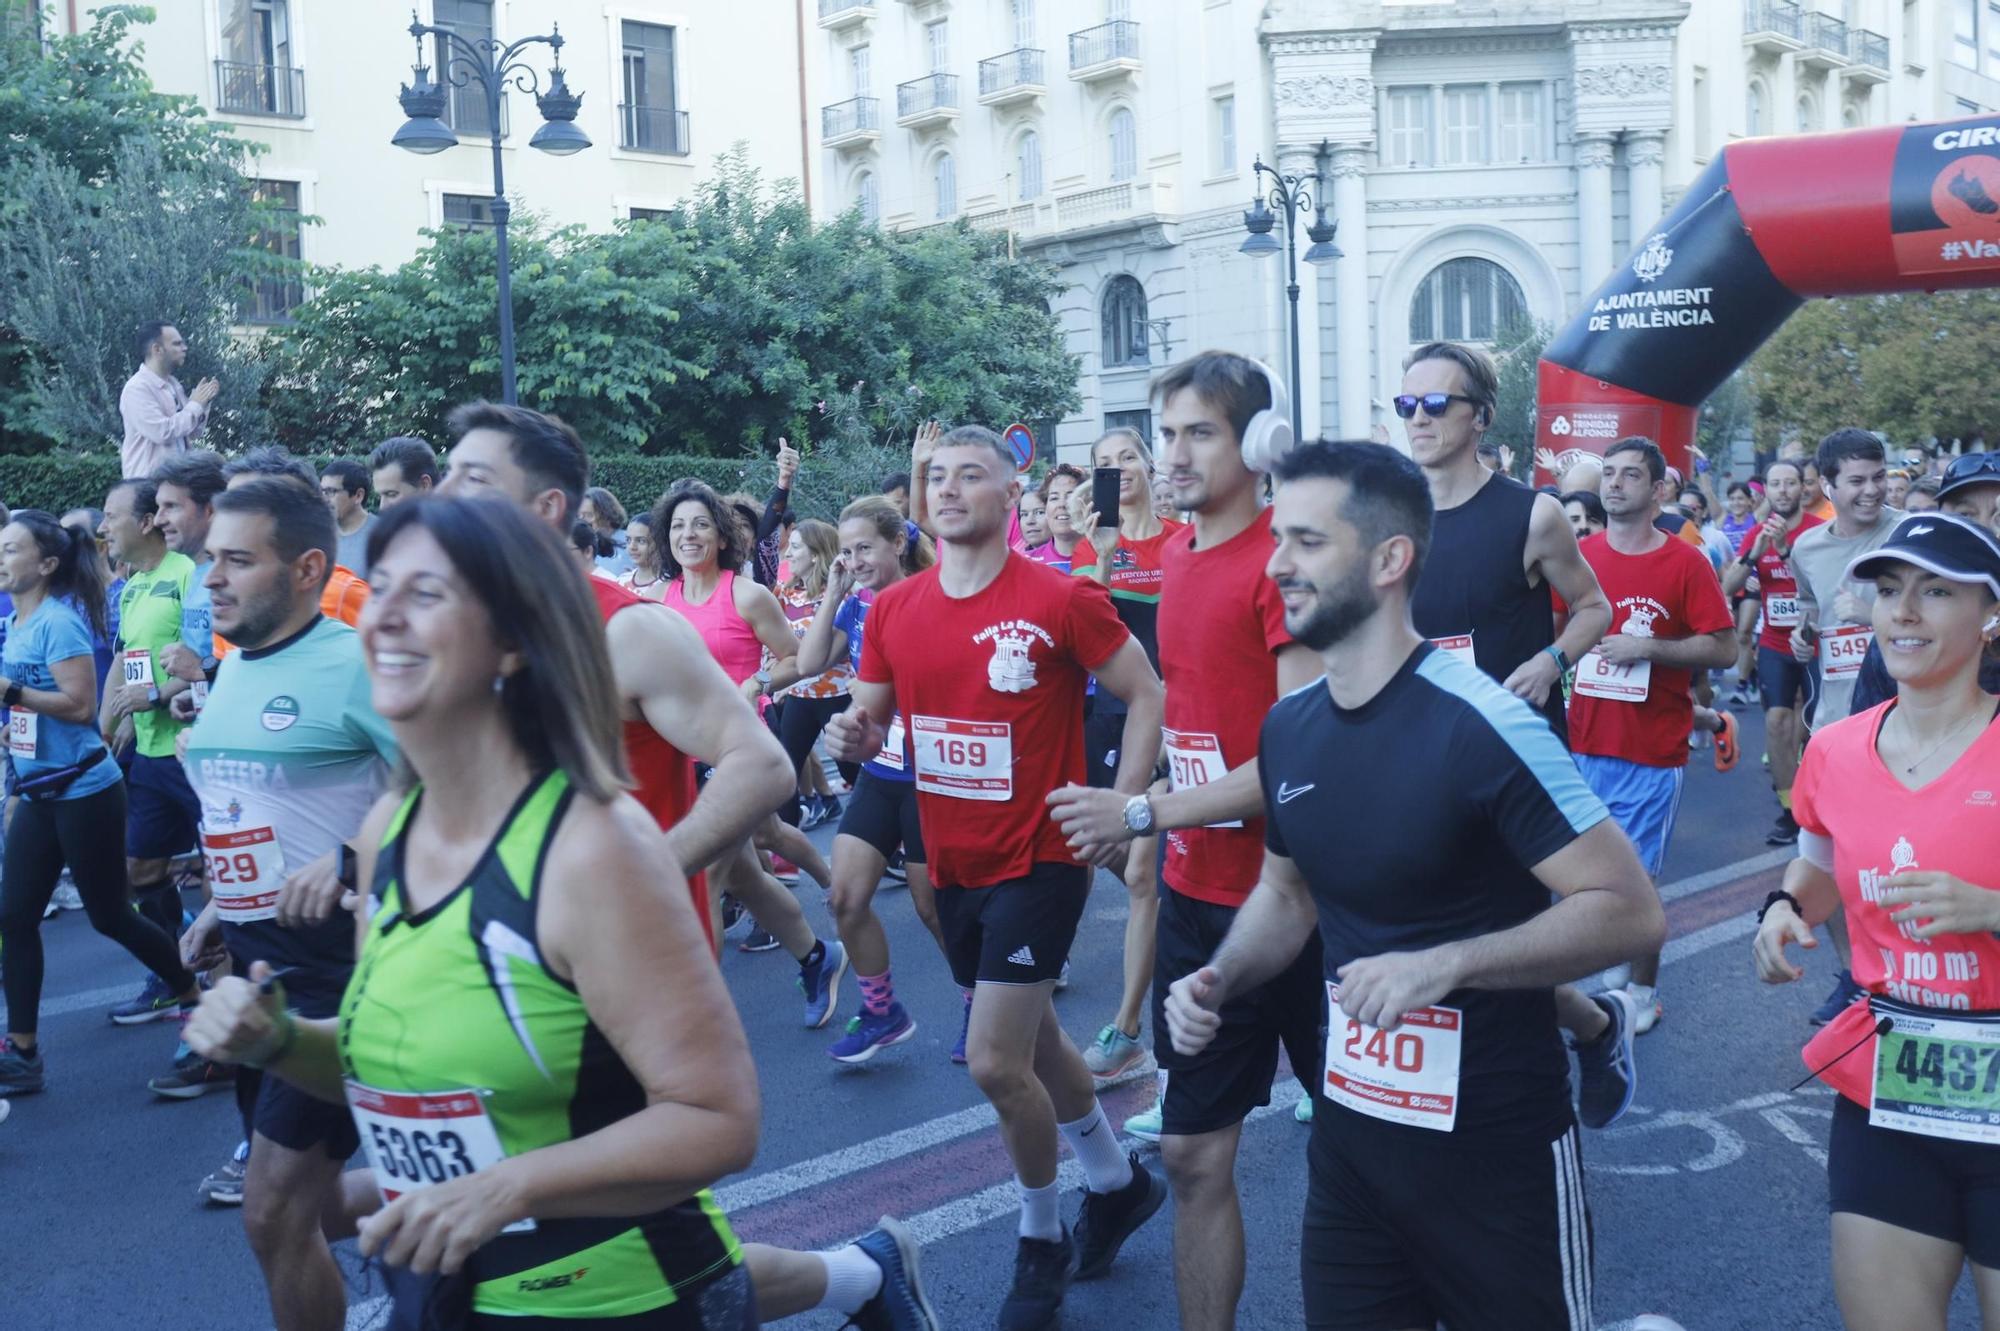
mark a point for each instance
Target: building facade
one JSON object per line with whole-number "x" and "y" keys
{"x": 1484, "y": 162}
{"x": 315, "y": 82}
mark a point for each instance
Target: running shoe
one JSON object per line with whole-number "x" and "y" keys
{"x": 758, "y": 940}
{"x": 1146, "y": 1125}
{"x": 6, "y": 1108}
{"x": 900, "y": 1304}
{"x": 964, "y": 1027}
{"x": 1845, "y": 991}
{"x": 153, "y": 1003}
{"x": 1726, "y": 749}
{"x": 225, "y": 1186}
{"x": 1741, "y": 698}
{"x": 1062, "y": 977}
{"x": 1646, "y": 1010}
{"x": 1784, "y": 832}
{"x": 1302, "y": 1112}
{"x": 872, "y": 1032}
{"x": 67, "y": 897}
{"x": 1042, "y": 1272}
{"x": 1113, "y": 1053}
{"x": 21, "y": 1072}
{"x": 192, "y": 1077}
{"x": 732, "y": 913}
{"x": 1107, "y": 1219}
{"x": 896, "y": 870}
{"x": 820, "y": 980}
{"x": 784, "y": 871}
{"x": 1607, "y": 1074}
{"x": 49, "y": 911}
{"x": 830, "y": 808}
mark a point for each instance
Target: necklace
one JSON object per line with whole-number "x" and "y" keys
{"x": 1950, "y": 735}
{"x": 639, "y": 586}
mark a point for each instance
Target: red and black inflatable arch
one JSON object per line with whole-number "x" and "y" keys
{"x": 1770, "y": 224}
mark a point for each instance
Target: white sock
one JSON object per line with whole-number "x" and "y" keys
{"x": 852, "y": 1278}
{"x": 1039, "y": 1219}
{"x": 1105, "y": 1166}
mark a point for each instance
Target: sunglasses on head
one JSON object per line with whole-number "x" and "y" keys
{"x": 1972, "y": 464}
{"x": 1434, "y": 404}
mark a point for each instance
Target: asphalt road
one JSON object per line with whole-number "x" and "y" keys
{"x": 1708, "y": 1199}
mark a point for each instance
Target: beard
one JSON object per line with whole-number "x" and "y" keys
{"x": 258, "y": 618}
{"x": 1337, "y": 612}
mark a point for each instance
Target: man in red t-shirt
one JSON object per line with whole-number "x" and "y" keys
{"x": 1632, "y": 705}
{"x": 1225, "y": 658}
{"x": 1780, "y": 677}
{"x": 985, "y": 656}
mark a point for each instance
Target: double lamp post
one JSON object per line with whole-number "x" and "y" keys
{"x": 1292, "y": 195}
{"x": 492, "y": 67}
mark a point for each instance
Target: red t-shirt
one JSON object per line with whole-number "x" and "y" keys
{"x": 1221, "y": 625}
{"x": 1879, "y": 828}
{"x": 664, "y": 775}
{"x": 991, "y": 690}
{"x": 1671, "y": 592}
{"x": 1776, "y": 583}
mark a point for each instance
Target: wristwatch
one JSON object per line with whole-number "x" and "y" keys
{"x": 12, "y": 696}
{"x": 1139, "y": 815}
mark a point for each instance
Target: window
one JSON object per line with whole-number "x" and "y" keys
{"x": 1123, "y": 314}
{"x": 1024, "y": 23}
{"x": 937, "y": 41}
{"x": 467, "y": 112}
{"x": 468, "y": 210}
{"x": 1464, "y": 126}
{"x": 1117, "y": 9}
{"x": 1704, "y": 127}
{"x": 944, "y": 183}
{"x": 1124, "y": 145}
{"x": 1990, "y": 62}
{"x": 654, "y": 214}
{"x": 868, "y": 197}
{"x": 1753, "y": 110}
{"x": 858, "y": 66}
{"x": 649, "y": 119}
{"x": 1851, "y": 116}
{"x": 1140, "y": 422}
{"x": 1465, "y": 300}
{"x": 256, "y": 72}
{"x": 1965, "y": 33}
{"x": 1410, "y": 126}
{"x": 1522, "y": 137}
{"x": 1225, "y": 133}
{"x": 273, "y": 299}
{"x": 1028, "y": 165}
{"x": 1808, "y": 113}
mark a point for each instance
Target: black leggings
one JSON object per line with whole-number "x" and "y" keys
{"x": 799, "y": 722}
{"x": 87, "y": 834}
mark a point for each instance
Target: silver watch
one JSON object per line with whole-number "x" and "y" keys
{"x": 1139, "y": 815}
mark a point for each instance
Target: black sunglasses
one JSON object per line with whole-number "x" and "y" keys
{"x": 1434, "y": 404}
{"x": 1972, "y": 464}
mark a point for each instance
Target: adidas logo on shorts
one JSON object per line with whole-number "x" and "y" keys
{"x": 1021, "y": 957}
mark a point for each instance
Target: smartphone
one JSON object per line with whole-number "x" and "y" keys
{"x": 1104, "y": 494}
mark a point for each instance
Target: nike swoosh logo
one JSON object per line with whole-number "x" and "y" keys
{"x": 1286, "y": 794}
{"x": 1092, "y": 1128}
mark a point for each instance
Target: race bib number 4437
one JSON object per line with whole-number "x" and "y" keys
{"x": 1408, "y": 1075}
{"x": 1938, "y": 1076}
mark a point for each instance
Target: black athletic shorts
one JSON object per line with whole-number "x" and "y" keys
{"x": 883, "y": 813}
{"x": 1103, "y": 733}
{"x": 1016, "y": 932}
{"x": 423, "y": 1303}
{"x": 1221, "y": 1085}
{"x": 1781, "y": 679}
{"x": 1949, "y": 1190}
{"x": 1407, "y": 1227}
{"x": 162, "y": 813}
{"x": 274, "y": 1108}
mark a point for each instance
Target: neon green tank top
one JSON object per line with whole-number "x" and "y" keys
{"x": 457, "y": 999}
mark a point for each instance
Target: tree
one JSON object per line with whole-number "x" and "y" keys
{"x": 1517, "y": 352}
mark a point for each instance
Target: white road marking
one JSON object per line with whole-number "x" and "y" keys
{"x": 90, "y": 998}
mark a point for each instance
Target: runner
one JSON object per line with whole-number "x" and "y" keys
{"x": 1737, "y": 523}
{"x": 403, "y": 467}
{"x": 1894, "y": 807}
{"x": 1585, "y": 512}
{"x": 1056, "y": 488}
{"x": 1226, "y": 659}
{"x": 1765, "y": 554}
{"x": 1125, "y": 559}
{"x": 986, "y": 657}
{"x": 607, "y": 520}
{"x": 187, "y": 486}
{"x": 644, "y": 579}
{"x": 1445, "y": 1181}
{"x": 1498, "y": 548}
{"x": 1632, "y": 704}
{"x": 70, "y": 810}
{"x": 1034, "y": 520}
{"x": 346, "y": 592}
{"x": 801, "y": 710}
{"x": 881, "y": 813}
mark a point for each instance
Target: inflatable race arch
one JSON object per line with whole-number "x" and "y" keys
{"x": 1770, "y": 224}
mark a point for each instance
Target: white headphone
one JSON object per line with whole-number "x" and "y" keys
{"x": 1269, "y": 436}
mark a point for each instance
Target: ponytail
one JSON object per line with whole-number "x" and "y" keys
{"x": 79, "y": 574}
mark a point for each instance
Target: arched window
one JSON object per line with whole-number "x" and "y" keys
{"x": 1123, "y": 315}
{"x": 1028, "y": 165}
{"x": 1852, "y": 117}
{"x": 868, "y": 197}
{"x": 1754, "y": 109}
{"x": 944, "y": 180}
{"x": 1124, "y": 145}
{"x": 1808, "y": 113}
{"x": 1465, "y": 300}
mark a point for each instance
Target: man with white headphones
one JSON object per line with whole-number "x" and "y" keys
{"x": 1225, "y": 659}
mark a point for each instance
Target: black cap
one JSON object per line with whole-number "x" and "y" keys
{"x": 1969, "y": 469}
{"x": 1940, "y": 543}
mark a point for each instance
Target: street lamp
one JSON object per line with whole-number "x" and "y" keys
{"x": 1291, "y": 195}
{"x": 464, "y": 61}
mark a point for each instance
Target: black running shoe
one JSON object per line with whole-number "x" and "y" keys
{"x": 21, "y": 1072}
{"x": 1042, "y": 1272}
{"x": 1784, "y": 832}
{"x": 1107, "y": 1219}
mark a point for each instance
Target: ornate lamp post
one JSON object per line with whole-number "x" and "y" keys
{"x": 1292, "y": 195}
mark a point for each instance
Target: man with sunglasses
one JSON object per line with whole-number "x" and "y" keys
{"x": 1498, "y": 547}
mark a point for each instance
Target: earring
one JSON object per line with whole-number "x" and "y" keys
{"x": 499, "y": 685}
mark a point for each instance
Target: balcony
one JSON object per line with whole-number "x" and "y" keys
{"x": 260, "y": 90}
{"x": 1107, "y": 51}
{"x": 653, "y": 129}
{"x": 1772, "y": 27}
{"x": 1825, "y": 42}
{"x": 930, "y": 100}
{"x": 840, "y": 15}
{"x": 1014, "y": 77}
{"x": 854, "y": 123}
{"x": 1092, "y": 207}
{"x": 1870, "y": 53}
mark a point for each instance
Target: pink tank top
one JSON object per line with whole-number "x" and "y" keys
{"x": 731, "y": 640}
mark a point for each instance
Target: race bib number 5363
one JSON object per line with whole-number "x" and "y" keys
{"x": 419, "y": 1140}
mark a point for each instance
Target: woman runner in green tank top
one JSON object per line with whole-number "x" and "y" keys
{"x": 544, "y": 1066}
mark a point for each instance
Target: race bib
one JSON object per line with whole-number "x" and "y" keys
{"x": 965, "y": 760}
{"x": 1842, "y": 650}
{"x": 138, "y": 665}
{"x": 1598, "y": 678}
{"x": 1458, "y": 647}
{"x": 22, "y": 726}
{"x": 1195, "y": 759}
{"x": 245, "y": 871}
{"x": 1408, "y": 1075}
{"x": 199, "y": 692}
{"x": 420, "y": 1140}
{"x": 894, "y": 755}
{"x": 1938, "y": 1076}
{"x": 1782, "y": 612}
